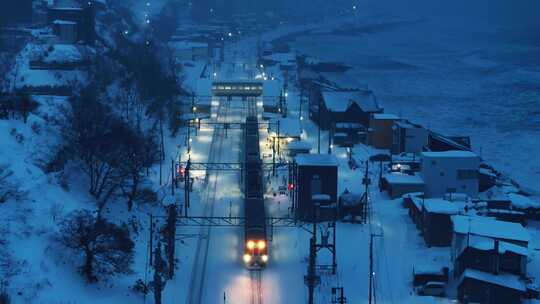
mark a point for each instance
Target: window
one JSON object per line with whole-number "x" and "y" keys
{"x": 433, "y": 162}
{"x": 467, "y": 174}
{"x": 450, "y": 190}
{"x": 316, "y": 185}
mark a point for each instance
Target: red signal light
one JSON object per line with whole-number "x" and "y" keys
{"x": 181, "y": 171}
{"x": 291, "y": 187}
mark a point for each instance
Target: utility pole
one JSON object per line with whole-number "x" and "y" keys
{"x": 371, "y": 271}
{"x": 319, "y": 127}
{"x": 173, "y": 179}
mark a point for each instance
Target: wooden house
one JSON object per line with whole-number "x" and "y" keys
{"x": 344, "y": 107}
{"x": 381, "y": 130}
{"x": 481, "y": 287}
{"x": 436, "y": 221}
{"x": 317, "y": 178}
{"x": 408, "y": 137}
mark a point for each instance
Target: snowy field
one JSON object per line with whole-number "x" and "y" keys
{"x": 474, "y": 75}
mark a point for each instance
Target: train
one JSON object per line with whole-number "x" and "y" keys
{"x": 255, "y": 245}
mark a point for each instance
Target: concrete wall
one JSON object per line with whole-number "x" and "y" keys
{"x": 442, "y": 174}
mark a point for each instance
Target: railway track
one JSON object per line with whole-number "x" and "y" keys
{"x": 256, "y": 286}
{"x": 198, "y": 274}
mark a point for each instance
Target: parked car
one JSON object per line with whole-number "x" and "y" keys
{"x": 436, "y": 289}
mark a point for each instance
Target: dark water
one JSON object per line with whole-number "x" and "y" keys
{"x": 480, "y": 79}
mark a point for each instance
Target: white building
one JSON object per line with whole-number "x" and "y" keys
{"x": 408, "y": 137}
{"x": 450, "y": 172}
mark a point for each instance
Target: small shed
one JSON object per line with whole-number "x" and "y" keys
{"x": 436, "y": 221}
{"x": 397, "y": 184}
{"x": 476, "y": 286}
{"x": 380, "y": 130}
{"x": 317, "y": 174}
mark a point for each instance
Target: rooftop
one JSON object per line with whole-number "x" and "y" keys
{"x": 450, "y": 154}
{"x": 484, "y": 226}
{"x": 339, "y": 101}
{"x": 485, "y": 243}
{"x": 440, "y": 206}
{"x": 505, "y": 280}
{"x": 326, "y": 160}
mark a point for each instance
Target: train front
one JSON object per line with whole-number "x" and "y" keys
{"x": 255, "y": 250}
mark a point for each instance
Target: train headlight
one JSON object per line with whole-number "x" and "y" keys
{"x": 250, "y": 245}
{"x": 264, "y": 258}
{"x": 261, "y": 244}
{"x": 247, "y": 258}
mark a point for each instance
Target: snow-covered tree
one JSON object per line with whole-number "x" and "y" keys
{"x": 106, "y": 248}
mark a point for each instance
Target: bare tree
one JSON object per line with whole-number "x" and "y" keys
{"x": 8, "y": 187}
{"x": 90, "y": 136}
{"x": 106, "y": 248}
{"x": 140, "y": 152}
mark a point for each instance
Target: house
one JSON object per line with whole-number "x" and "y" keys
{"x": 381, "y": 130}
{"x": 489, "y": 259}
{"x": 317, "y": 178}
{"x": 450, "y": 172}
{"x": 481, "y": 287}
{"x": 345, "y": 106}
{"x": 465, "y": 226}
{"x": 408, "y": 137}
{"x": 83, "y": 15}
{"x": 398, "y": 184}
{"x": 490, "y": 255}
{"x": 437, "y": 227}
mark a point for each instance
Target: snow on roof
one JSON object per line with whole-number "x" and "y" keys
{"x": 405, "y": 124}
{"x": 385, "y": 116}
{"x": 403, "y": 179}
{"x": 489, "y": 227}
{"x": 326, "y": 160}
{"x": 288, "y": 127}
{"x": 522, "y": 202}
{"x": 299, "y": 145}
{"x": 485, "y": 243}
{"x": 440, "y": 206}
{"x": 64, "y": 22}
{"x": 341, "y": 100}
{"x": 450, "y": 154}
{"x": 501, "y": 279}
